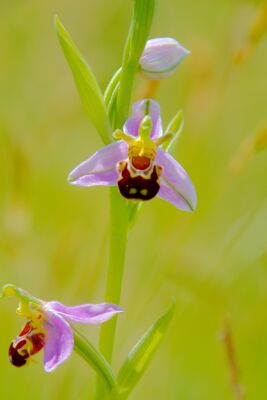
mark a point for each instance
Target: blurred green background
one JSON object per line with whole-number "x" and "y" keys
{"x": 53, "y": 236}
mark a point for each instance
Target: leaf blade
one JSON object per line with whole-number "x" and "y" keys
{"x": 86, "y": 83}
{"x": 141, "y": 354}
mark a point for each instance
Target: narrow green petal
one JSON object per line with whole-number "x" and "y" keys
{"x": 175, "y": 127}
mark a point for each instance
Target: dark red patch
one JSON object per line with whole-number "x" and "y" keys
{"x": 15, "y": 357}
{"x": 141, "y": 163}
{"x": 27, "y": 328}
{"x": 138, "y": 187}
{"x": 18, "y": 353}
{"x": 38, "y": 342}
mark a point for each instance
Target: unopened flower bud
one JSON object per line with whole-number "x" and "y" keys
{"x": 161, "y": 56}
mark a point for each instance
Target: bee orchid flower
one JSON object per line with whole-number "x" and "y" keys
{"x": 137, "y": 164}
{"x": 48, "y": 327}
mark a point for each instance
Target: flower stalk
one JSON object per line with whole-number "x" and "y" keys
{"x": 137, "y": 38}
{"x": 117, "y": 252}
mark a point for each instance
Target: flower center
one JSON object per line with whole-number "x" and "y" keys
{"x": 139, "y": 177}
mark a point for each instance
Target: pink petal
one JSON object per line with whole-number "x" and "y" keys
{"x": 108, "y": 178}
{"x": 139, "y": 110}
{"x": 170, "y": 195}
{"x": 59, "y": 342}
{"x": 176, "y": 186}
{"x": 86, "y": 313}
{"x": 100, "y": 168}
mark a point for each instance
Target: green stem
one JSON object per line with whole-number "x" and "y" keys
{"x": 118, "y": 241}
{"x": 89, "y": 353}
{"x": 137, "y": 37}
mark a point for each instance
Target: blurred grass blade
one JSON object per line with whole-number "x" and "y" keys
{"x": 95, "y": 359}
{"x": 86, "y": 83}
{"x": 139, "y": 357}
{"x": 133, "y": 212}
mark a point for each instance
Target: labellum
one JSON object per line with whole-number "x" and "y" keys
{"x": 29, "y": 342}
{"x": 135, "y": 182}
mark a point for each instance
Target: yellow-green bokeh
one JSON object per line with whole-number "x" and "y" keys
{"x": 53, "y": 236}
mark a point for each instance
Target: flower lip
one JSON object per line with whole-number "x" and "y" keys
{"x": 29, "y": 342}
{"x": 15, "y": 357}
{"x": 137, "y": 186}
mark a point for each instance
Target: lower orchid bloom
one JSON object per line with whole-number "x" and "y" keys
{"x": 137, "y": 163}
{"x": 48, "y": 328}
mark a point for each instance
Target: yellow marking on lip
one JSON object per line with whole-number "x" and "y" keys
{"x": 132, "y": 191}
{"x": 144, "y": 192}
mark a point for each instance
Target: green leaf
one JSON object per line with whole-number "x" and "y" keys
{"x": 112, "y": 103}
{"x": 142, "y": 353}
{"x": 112, "y": 86}
{"x": 88, "y": 88}
{"x": 110, "y": 95}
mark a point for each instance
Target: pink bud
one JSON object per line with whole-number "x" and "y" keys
{"x": 161, "y": 56}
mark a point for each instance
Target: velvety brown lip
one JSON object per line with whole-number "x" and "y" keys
{"x": 138, "y": 187}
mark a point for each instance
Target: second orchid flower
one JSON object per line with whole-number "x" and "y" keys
{"x": 48, "y": 327}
